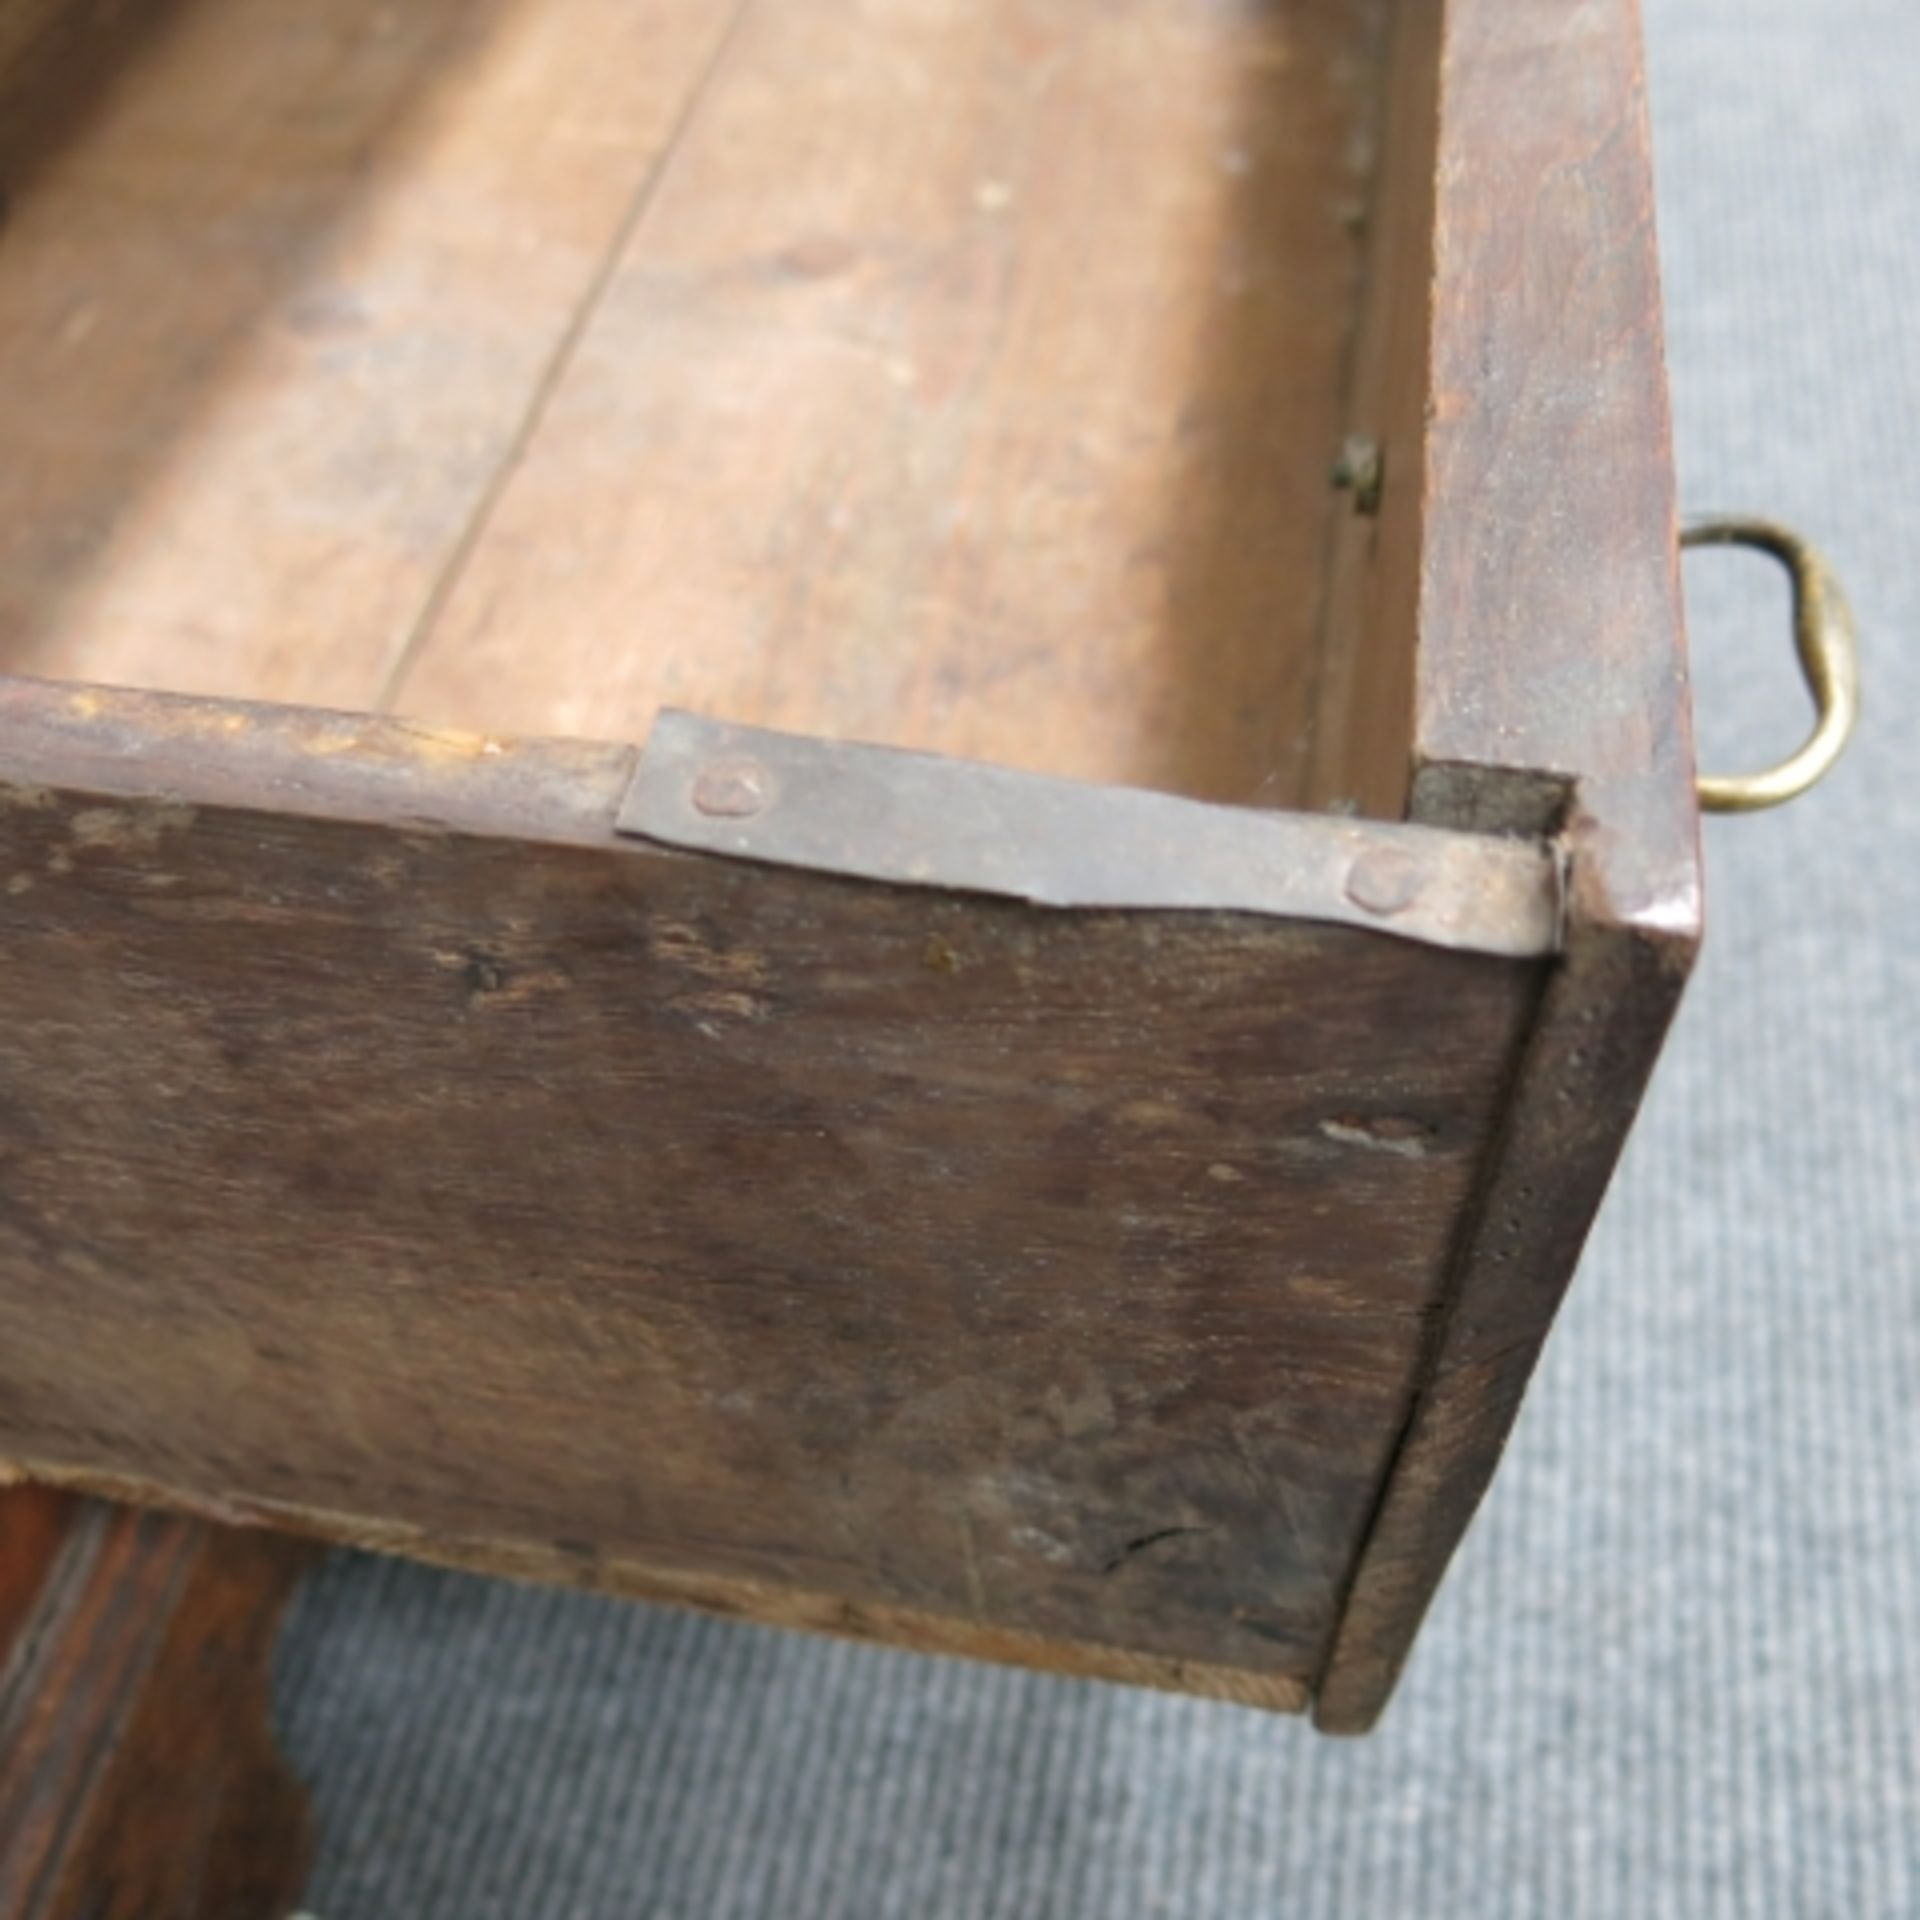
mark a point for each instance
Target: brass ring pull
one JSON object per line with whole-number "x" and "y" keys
{"x": 1823, "y": 636}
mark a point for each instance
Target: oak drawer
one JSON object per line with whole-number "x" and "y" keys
{"x": 1046, "y": 1111}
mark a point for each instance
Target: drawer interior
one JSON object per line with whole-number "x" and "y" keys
{"x": 960, "y": 374}
{"x": 1141, "y": 1293}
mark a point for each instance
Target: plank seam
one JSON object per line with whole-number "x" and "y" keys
{"x": 402, "y": 661}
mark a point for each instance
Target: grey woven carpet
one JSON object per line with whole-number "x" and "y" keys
{"x": 1676, "y": 1670}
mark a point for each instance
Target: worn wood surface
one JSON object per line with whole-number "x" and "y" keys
{"x": 1549, "y": 693}
{"x": 276, "y": 286}
{"x": 405, "y": 359}
{"x": 1362, "y": 742}
{"x": 1001, "y": 429}
{"x": 500, "y": 378}
{"x": 1056, "y": 1274}
{"x": 137, "y": 1777}
{"x": 273, "y": 314}
{"x": 1556, "y": 649}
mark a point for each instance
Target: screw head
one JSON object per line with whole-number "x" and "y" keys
{"x": 732, "y": 789}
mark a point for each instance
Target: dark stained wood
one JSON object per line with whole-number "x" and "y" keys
{"x": 32, "y": 1524}
{"x": 1058, "y": 1275}
{"x": 1553, "y": 654}
{"x": 1136, "y": 1294}
{"x": 1604, "y": 1016}
{"x": 1551, "y": 694}
{"x": 138, "y": 1779}
{"x": 277, "y": 286}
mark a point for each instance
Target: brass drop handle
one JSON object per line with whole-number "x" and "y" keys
{"x": 1823, "y": 636}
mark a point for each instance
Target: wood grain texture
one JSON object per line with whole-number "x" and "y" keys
{"x": 1550, "y": 693}
{"x": 1362, "y": 757}
{"x": 278, "y": 284}
{"x": 1581, "y": 1078}
{"x": 1556, "y": 649}
{"x": 273, "y": 314}
{"x": 960, "y": 377}
{"x": 138, "y": 1780}
{"x": 1054, "y": 1274}
{"x": 1000, "y": 428}
{"x": 730, "y": 1597}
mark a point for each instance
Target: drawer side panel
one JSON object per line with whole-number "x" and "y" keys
{"x": 466, "y": 1179}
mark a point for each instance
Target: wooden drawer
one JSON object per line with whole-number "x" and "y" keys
{"x": 1086, "y": 1191}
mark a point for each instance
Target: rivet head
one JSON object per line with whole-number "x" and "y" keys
{"x": 1384, "y": 880}
{"x": 732, "y": 789}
